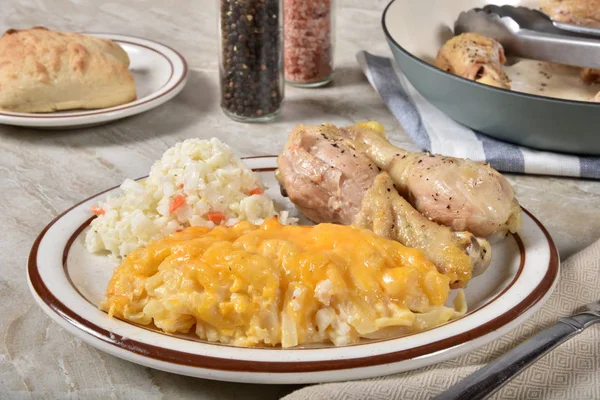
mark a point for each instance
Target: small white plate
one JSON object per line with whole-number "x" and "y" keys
{"x": 68, "y": 283}
{"x": 160, "y": 73}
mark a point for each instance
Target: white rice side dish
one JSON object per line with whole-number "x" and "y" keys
{"x": 195, "y": 183}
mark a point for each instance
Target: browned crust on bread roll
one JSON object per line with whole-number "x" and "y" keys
{"x": 42, "y": 70}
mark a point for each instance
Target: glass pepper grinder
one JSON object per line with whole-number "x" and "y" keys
{"x": 309, "y": 28}
{"x": 251, "y": 59}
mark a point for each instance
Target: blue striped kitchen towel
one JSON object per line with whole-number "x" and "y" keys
{"x": 433, "y": 131}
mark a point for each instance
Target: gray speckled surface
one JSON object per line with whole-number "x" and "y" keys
{"x": 45, "y": 172}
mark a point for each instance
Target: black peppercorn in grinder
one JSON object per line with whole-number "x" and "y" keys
{"x": 250, "y": 59}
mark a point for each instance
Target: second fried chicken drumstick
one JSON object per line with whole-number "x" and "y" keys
{"x": 330, "y": 181}
{"x": 458, "y": 255}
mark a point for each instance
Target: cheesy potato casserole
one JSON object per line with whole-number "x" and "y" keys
{"x": 272, "y": 284}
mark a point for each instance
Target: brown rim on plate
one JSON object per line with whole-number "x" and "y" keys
{"x": 214, "y": 363}
{"x": 122, "y": 106}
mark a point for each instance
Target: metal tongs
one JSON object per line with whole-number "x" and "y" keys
{"x": 532, "y": 34}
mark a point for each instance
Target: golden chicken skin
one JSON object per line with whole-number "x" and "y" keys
{"x": 474, "y": 57}
{"x": 578, "y": 12}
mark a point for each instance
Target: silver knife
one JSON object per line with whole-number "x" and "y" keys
{"x": 489, "y": 379}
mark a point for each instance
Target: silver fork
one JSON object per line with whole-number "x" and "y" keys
{"x": 487, "y": 380}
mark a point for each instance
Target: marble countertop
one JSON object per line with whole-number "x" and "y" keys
{"x": 45, "y": 172}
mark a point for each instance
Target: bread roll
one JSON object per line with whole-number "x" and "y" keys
{"x": 44, "y": 71}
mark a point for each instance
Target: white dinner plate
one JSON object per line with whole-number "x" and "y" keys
{"x": 68, "y": 283}
{"x": 160, "y": 73}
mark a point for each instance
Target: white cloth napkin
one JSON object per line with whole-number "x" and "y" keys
{"x": 571, "y": 371}
{"x": 433, "y": 131}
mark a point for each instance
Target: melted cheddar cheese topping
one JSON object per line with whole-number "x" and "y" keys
{"x": 277, "y": 284}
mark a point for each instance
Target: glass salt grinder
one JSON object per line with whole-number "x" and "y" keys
{"x": 251, "y": 59}
{"x": 309, "y": 33}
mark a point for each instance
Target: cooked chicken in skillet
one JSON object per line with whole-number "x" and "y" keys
{"x": 329, "y": 181}
{"x": 578, "y": 12}
{"x": 462, "y": 194}
{"x": 475, "y": 57}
